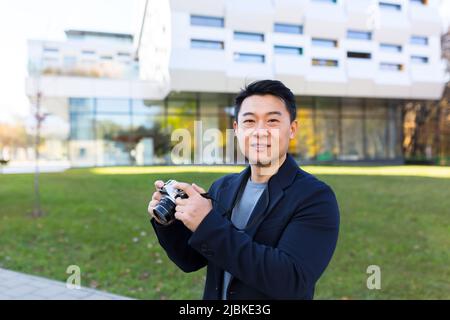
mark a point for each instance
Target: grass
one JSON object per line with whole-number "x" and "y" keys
{"x": 393, "y": 217}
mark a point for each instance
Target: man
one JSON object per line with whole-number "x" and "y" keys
{"x": 271, "y": 230}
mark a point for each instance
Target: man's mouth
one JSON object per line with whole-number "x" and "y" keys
{"x": 259, "y": 146}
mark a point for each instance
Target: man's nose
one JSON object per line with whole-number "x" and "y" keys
{"x": 260, "y": 131}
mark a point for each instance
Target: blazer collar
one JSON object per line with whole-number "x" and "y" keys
{"x": 282, "y": 179}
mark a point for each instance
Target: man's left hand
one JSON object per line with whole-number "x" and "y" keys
{"x": 193, "y": 210}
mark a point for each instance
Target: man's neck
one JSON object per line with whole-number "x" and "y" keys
{"x": 262, "y": 174}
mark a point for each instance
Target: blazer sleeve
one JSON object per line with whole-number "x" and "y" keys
{"x": 174, "y": 239}
{"x": 283, "y": 272}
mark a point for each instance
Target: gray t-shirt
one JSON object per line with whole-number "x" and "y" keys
{"x": 241, "y": 214}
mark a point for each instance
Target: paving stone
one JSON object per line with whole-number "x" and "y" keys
{"x": 16, "y": 285}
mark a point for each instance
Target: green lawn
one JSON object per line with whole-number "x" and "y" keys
{"x": 394, "y": 217}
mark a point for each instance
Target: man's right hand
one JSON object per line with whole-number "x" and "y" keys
{"x": 156, "y": 197}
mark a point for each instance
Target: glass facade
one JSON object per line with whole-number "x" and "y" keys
{"x": 109, "y": 132}
{"x": 347, "y": 129}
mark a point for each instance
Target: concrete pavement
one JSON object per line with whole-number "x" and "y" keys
{"x": 20, "y": 286}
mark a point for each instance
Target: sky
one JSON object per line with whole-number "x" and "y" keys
{"x": 47, "y": 19}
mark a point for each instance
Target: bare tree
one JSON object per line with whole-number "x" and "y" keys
{"x": 39, "y": 118}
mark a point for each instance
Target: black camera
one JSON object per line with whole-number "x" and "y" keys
{"x": 165, "y": 210}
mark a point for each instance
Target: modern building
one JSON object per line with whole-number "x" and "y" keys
{"x": 90, "y": 83}
{"x": 352, "y": 65}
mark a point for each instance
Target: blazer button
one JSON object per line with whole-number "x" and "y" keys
{"x": 204, "y": 247}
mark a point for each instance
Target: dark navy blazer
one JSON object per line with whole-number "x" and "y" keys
{"x": 287, "y": 244}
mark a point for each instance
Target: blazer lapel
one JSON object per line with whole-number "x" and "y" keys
{"x": 273, "y": 194}
{"x": 268, "y": 200}
{"x": 227, "y": 195}
{"x": 226, "y": 198}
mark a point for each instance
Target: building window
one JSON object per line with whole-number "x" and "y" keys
{"x": 328, "y": 43}
{"x": 249, "y": 57}
{"x": 82, "y": 126}
{"x": 123, "y": 54}
{"x": 303, "y": 146}
{"x": 352, "y": 129}
{"x": 82, "y": 122}
{"x": 178, "y": 107}
{"x": 326, "y": 128}
{"x": 359, "y": 35}
{"x": 419, "y": 60}
{"x": 385, "y": 66}
{"x": 48, "y": 49}
{"x": 419, "y": 40}
{"x": 106, "y": 57}
{"x": 206, "y": 21}
{"x": 88, "y": 53}
{"x": 69, "y": 61}
{"x": 89, "y": 62}
{"x": 326, "y": 1}
{"x": 390, "y": 47}
{"x": 147, "y": 107}
{"x": 50, "y": 61}
{"x": 288, "y": 28}
{"x": 79, "y": 105}
{"x": 82, "y": 153}
{"x": 420, "y": 2}
{"x": 249, "y": 36}
{"x": 324, "y": 62}
{"x": 114, "y": 133}
{"x": 207, "y": 44}
{"x": 390, "y": 6}
{"x": 359, "y": 55}
{"x": 376, "y": 129}
{"x": 120, "y": 106}
{"x": 288, "y": 50}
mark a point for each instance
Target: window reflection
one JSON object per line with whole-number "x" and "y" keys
{"x": 376, "y": 129}
{"x": 352, "y": 129}
{"x": 113, "y": 130}
{"x": 327, "y": 128}
{"x": 138, "y": 132}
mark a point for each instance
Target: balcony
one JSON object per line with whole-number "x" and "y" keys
{"x": 325, "y": 20}
{"x": 425, "y": 20}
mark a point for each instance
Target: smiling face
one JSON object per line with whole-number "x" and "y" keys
{"x": 263, "y": 129}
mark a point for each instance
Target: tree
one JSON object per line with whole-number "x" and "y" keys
{"x": 426, "y": 125}
{"x": 39, "y": 117}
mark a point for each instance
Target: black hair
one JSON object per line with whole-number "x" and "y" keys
{"x": 272, "y": 87}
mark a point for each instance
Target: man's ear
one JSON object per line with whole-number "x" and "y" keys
{"x": 293, "y": 129}
{"x": 235, "y": 126}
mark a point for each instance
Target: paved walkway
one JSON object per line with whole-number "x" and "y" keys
{"x": 20, "y": 286}
{"x": 29, "y": 167}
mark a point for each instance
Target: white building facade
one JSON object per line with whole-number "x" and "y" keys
{"x": 89, "y": 85}
{"x": 352, "y": 65}
{"x": 346, "y": 48}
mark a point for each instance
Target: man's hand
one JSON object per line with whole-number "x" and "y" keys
{"x": 193, "y": 210}
{"x": 156, "y": 197}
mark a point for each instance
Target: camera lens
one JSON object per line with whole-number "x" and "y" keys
{"x": 165, "y": 210}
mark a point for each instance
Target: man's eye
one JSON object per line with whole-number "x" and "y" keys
{"x": 273, "y": 120}
{"x": 248, "y": 121}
